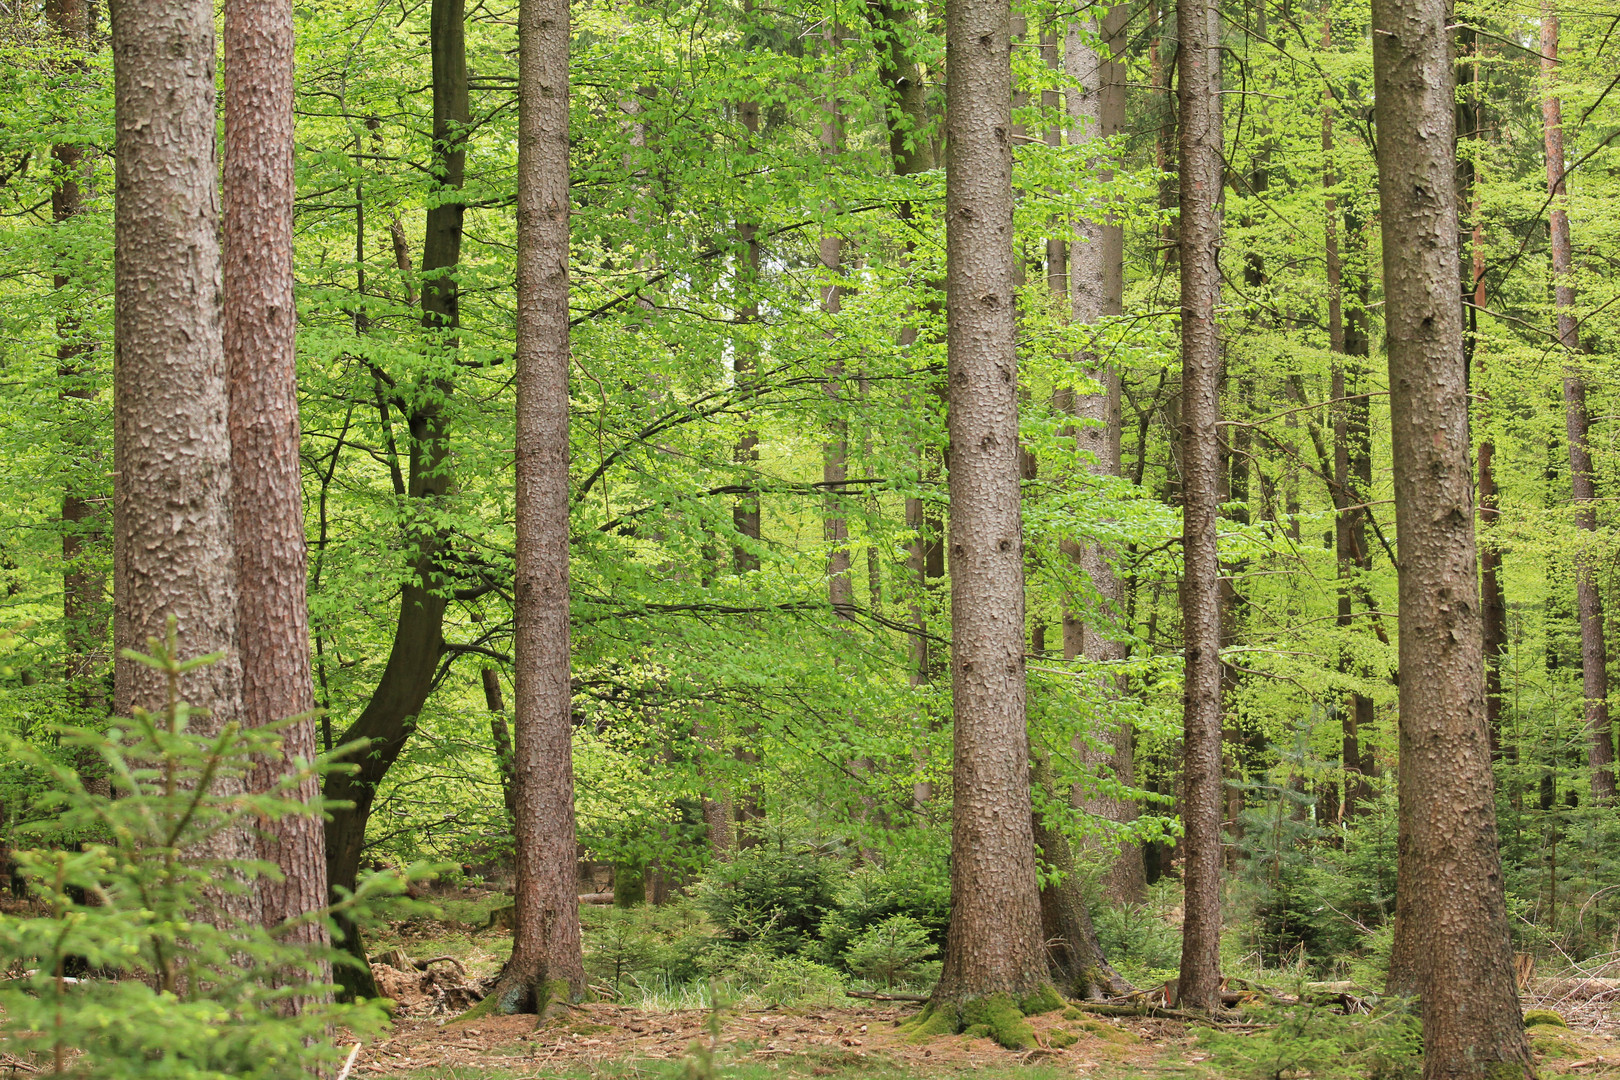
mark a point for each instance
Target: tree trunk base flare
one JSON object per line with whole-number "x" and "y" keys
{"x": 1001, "y": 1017}
{"x": 514, "y": 994}
{"x": 353, "y": 979}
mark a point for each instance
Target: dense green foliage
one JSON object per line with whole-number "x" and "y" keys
{"x": 700, "y": 677}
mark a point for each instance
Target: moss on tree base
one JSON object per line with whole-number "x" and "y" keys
{"x": 998, "y": 1016}
{"x": 517, "y": 996}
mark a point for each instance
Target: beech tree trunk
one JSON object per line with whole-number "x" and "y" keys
{"x": 835, "y": 452}
{"x": 267, "y": 493}
{"x": 389, "y": 718}
{"x": 994, "y": 941}
{"x": 1588, "y": 597}
{"x": 1451, "y": 938}
{"x": 1199, "y": 72}
{"x": 84, "y": 527}
{"x": 1096, "y": 287}
{"x": 546, "y": 960}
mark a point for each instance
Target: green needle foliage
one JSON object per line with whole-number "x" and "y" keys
{"x": 141, "y": 962}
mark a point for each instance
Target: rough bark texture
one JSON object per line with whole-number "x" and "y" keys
{"x": 1452, "y": 934}
{"x": 1096, "y": 288}
{"x": 1588, "y": 597}
{"x": 546, "y": 959}
{"x": 1198, "y": 69}
{"x": 389, "y": 718}
{"x": 84, "y": 526}
{"x": 267, "y": 494}
{"x": 173, "y": 556}
{"x": 994, "y": 941}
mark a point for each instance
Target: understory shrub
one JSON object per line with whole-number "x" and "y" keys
{"x": 1314, "y": 1040}
{"x": 917, "y": 889}
{"x": 771, "y": 898}
{"x": 646, "y": 945}
{"x": 896, "y": 950}
{"x": 170, "y": 980}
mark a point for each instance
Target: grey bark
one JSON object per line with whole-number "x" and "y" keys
{"x": 1199, "y": 74}
{"x": 994, "y": 940}
{"x": 1589, "y": 598}
{"x": 1451, "y": 937}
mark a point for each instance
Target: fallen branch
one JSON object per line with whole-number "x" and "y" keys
{"x": 870, "y": 995}
{"x": 348, "y": 1065}
{"x": 1157, "y": 1011}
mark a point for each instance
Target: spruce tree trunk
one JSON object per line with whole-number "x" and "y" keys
{"x": 267, "y": 492}
{"x": 546, "y": 962}
{"x": 173, "y": 554}
{"x": 1589, "y": 600}
{"x": 1199, "y": 72}
{"x": 389, "y": 718}
{"x": 1452, "y": 942}
{"x": 994, "y": 941}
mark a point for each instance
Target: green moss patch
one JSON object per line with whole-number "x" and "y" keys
{"x": 1543, "y": 1016}
{"x": 1044, "y": 1000}
{"x": 1001, "y": 1014}
{"x": 1059, "y": 1038}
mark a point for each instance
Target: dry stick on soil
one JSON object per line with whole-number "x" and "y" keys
{"x": 1199, "y": 70}
{"x": 1451, "y": 935}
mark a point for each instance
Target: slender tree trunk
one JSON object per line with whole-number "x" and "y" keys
{"x": 1451, "y": 938}
{"x": 994, "y": 942}
{"x": 546, "y": 961}
{"x": 1095, "y": 284}
{"x": 173, "y": 552}
{"x": 1589, "y": 599}
{"x": 835, "y": 452}
{"x": 500, "y": 736}
{"x": 84, "y": 526}
{"x": 267, "y": 495}
{"x": 1199, "y": 71}
{"x": 390, "y": 717}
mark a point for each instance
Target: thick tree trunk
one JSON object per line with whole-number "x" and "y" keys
{"x": 173, "y": 555}
{"x": 1096, "y": 285}
{"x": 1451, "y": 939}
{"x": 84, "y": 527}
{"x": 389, "y": 718}
{"x": 994, "y": 941}
{"x": 1199, "y": 71}
{"x": 1589, "y": 600}
{"x": 546, "y": 961}
{"x": 267, "y": 492}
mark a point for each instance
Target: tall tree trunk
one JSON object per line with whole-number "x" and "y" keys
{"x": 1451, "y": 936}
{"x": 1199, "y": 71}
{"x": 994, "y": 941}
{"x": 267, "y": 492}
{"x": 835, "y": 452}
{"x": 1589, "y": 599}
{"x": 546, "y": 962}
{"x": 500, "y": 737}
{"x": 390, "y": 717}
{"x": 173, "y": 555}
{"x": 1096, "y": 285}
{"x": 84, "y": 527}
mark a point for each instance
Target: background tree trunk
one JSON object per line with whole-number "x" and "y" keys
{"x": 267, "y": 494}
{"x": 1588, "y": 598}
{"x": 1096, "y": 287}
{"x": 1450, "y": 906}
{"x": 1199, "y": 71}
{"x": 994, "y": 940}
{"x": 546, "y": 960}
{"x": 389, "y": 718}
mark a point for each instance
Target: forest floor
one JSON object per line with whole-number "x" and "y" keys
{"x": 845, "y": 1039}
